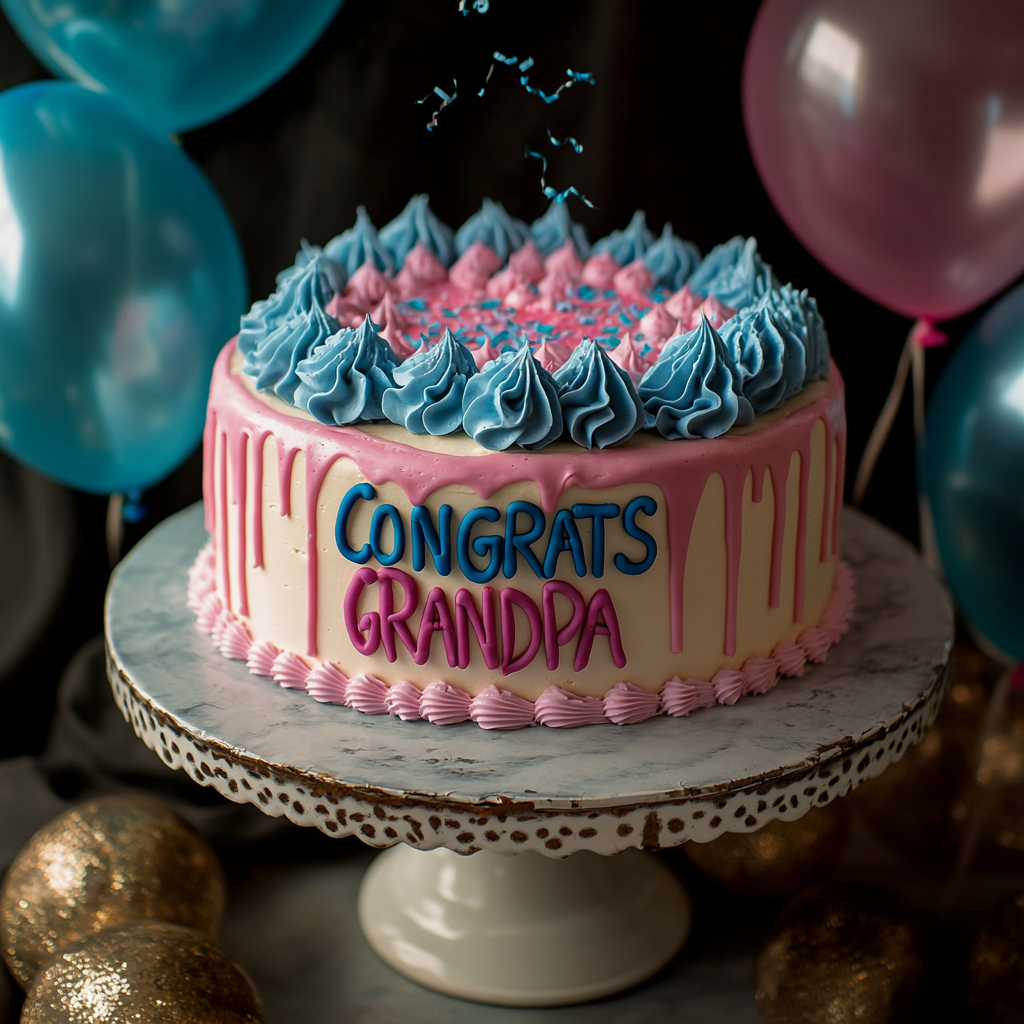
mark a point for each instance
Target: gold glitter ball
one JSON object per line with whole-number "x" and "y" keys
{"x": 104, "y": 863}
{"x": 148, "y": 972}
{"x": 779, "y": 859}
{"x": 841, "y": 954}
{"x": 995, "y": 968}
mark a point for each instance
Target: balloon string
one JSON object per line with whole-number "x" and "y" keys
{"x": 115, "y": 528}
{"x": 980, "y": 796}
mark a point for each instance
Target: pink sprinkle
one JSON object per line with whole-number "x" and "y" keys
{"x": 327, "y": 684}
{"x": 262, "y": 656}
{"x": 367, "y": 693}
{"x": 443, "y": 704}
{"x": 403, "y": 701}
{"x": 728, "y": 685}
{"x": 290, "y": 671}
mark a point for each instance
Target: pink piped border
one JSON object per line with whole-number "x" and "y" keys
{"x": 443, "y": 703}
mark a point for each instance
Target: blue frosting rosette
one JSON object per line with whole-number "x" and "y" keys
{"x": 311, "y": 282}
{"x": 551, "y": 231}
{"x": 734, "y": 274}
{"x": 671, "y": 260}
{"x": 629, "y": 244}
{"x": 513, "y": 400}
{"x": 352, "y": 248}
{"x": 600, "y": 405}
{"x": 492, "y": 226}
{"x": 344, "y": 380}
{"x": 418, "y": 223}
{"x": 689, "y": 392}
{"x": 802, "y": 312}
{"x": 429, "y": 388}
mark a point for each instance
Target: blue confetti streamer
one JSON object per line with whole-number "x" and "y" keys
{"x": 481, "y": 6}
{"x": 574, "y": 77}
{"x": 445, "y": 101}
{"x": 580, "y": 76}
{"x": 527, "y": 64}
{"x": 568, "y": 140}
{"x": 505, "y": 60}
{"x": 552, "y": 193}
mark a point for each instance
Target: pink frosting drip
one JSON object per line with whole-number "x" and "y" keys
{"x": 420, "y": 270}
{"x": 472, "y": 269}
{"x": 790, "y": 658}
{"x": 262, "y": 656}
{"x": 235, "y": 642}
{"x": 566, "y": 262}
{"x": 444, "y": 704}
{"x": 484, "y": 354}
{"x": 367, "y": 286}
{"x": 527, "y": 263}
{"x": 289, "y": 671}
{"x": 403, "y": 701}
{"x": 760, "y": 673}
{"x": 600, "y": 270}
{"x": 728, "y": 685}
{"x": 551, "y": 355}
{"x": 560, "y": 709}
{"x": 681, "y": 696}
{"x": 815, "y": 643}
{"x": 327, "y": 684}
{"x": 629, "y": 355}
{"x": 633, "y": 279}
{"x": 367, "y": 693}
{"x": 657, "y": 323}
{"x": 500, "y": 709}
{"x": 626, "y": 704}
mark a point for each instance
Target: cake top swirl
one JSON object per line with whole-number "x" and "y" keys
{"x": 644, "y": 335}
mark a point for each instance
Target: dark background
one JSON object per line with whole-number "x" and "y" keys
{"x": 662, "y": 131}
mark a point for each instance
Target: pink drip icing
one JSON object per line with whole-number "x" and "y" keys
{"x": 500, "y": 709}
{"x": 444, "y": 704}
{"x": 240, "y": 486}
{"x": 209, "y": 457}
{"x": 224, "y": 568}
{"x": 626, "y": 704}
{"x": 403, "y": 701}
{"x": 380, "y": 460}
{"x": 559, "y": 709}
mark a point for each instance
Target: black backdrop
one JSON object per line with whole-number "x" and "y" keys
{"x": 662, "y": 130}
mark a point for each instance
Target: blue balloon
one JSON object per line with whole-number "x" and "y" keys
{"x": 120, "y": 278}
{"x": 179, "y": 64}
{"x": 973, "y": 474}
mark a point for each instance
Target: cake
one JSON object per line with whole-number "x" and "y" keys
{"x": 498, "y": 476}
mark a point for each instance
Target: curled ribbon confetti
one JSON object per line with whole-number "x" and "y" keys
{"x": 445, "y": 101}
{"x": 553, "y": 193}
{"x": 568, "y": 140}
{"x": 481, "y": 6}
{"x": 524, "y": 79}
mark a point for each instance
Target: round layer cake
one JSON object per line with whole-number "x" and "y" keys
{"x": 504, "y": 520}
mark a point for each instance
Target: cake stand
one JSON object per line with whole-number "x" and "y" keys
{"x": 532, "y": 929}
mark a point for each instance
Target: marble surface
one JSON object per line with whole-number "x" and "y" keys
{"x": 894, "y": 653}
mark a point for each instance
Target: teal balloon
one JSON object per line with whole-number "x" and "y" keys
{"x": 178, "y": 64}
{"x": 973, "y": 474}
{"x": 120, "y": 278}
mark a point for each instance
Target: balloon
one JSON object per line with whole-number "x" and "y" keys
{"x": 973, "y": 474}
{"x": 890, "y": 137}
{"x": 179, "y": 64}
{"x": 120, "y": 278}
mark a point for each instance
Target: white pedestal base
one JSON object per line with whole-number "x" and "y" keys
{"x": 526, "y": 930}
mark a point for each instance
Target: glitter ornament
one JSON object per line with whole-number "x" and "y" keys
{"x": 995, "y": 967}
{"x": 101, "y": 864}
{"x": 841, "y": 954}
{"x": 779, "y": 859}
{"x": 152, "y": 972}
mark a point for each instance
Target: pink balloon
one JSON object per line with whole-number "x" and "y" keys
{"x": 890, "y": 136}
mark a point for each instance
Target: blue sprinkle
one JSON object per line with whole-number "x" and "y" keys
{"x": 564, "y": 307}
{"x": 624, "y": 320}
{"x": 449, "y": 313}
{"x": 568, "y": 140}
{"x": 585, "y": 292}
{"x": 527, "y": 64}
{"x": 581, "y": 76}
{"x": 505, "y": 60}
{"x": 610, "y": 330}
{"x": 490, "y": 304}
{"x": 586, "y": 320}
{"x": 545, "y": 328}
{"x": 614, "y": 307}
{"x": 418, "y": 304}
